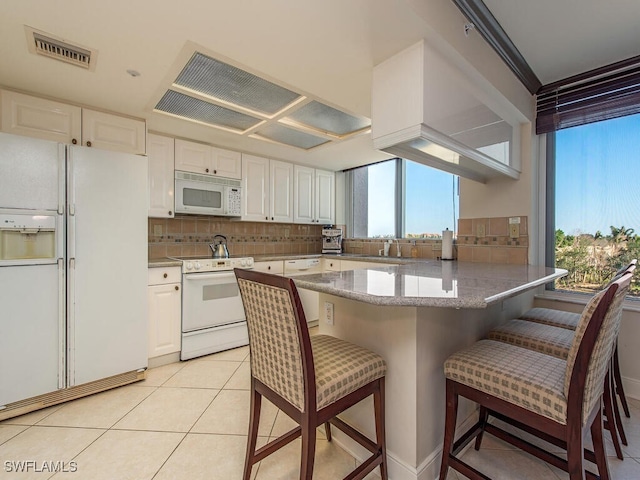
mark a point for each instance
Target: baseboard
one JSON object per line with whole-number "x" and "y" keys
{"x": 429, "y": 469}
{"x": 631, "y": 387}
{"x": 164, "y": 360}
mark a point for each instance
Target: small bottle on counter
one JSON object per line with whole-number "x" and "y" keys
{"x": 414, "y": 249}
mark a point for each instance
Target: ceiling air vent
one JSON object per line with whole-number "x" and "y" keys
{"x": 41, "y": 43}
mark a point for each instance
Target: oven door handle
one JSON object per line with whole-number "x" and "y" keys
{"x": 208, "y": 276}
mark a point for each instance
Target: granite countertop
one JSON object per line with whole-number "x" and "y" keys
{"x": 164, "y": 262}
{"x": 431, "y": 283}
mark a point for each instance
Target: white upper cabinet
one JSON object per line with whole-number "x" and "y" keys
{"x": 40, "y": 118}
{"x": 267, "y": 190}
{"x": 205, "y": 159}
{"x": 160, "y": 150}
{"x": 226, "y": 163}
{"x": 111, "y": 132}
{"x": 193, "y": 157}
{"x": 281, "y": 190}
{"x": 304, "y": 191}
{"x": 255, "y": 188}
{"x": 50, "y": 120}
{"x": 325, "y": 197}
{"x": 314, "y": 196}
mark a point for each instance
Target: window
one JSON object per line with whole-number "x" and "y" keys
{"x": 402, "y": 199}
{"x": 597, "y": 202}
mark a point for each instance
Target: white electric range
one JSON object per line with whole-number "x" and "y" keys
{"x": 213, "y": 316}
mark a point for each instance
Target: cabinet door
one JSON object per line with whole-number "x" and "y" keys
{"x": 164, "y": 319}
{"x": 39, "y": 118}
{"x": 255, "y": 188}
{"x": 227, "y": 163}
{"x": 303, "y": 196}
{"x": 325, "y": 197}
{"x": 161, "y": 175}
{"x": 281, "y": 183}
{"x": 112, "y": 132}
{"x": 194, "y": 157}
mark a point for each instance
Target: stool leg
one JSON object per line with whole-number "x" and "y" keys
{"x": 484, "y": 415}
{"x": 327, "y": 430}
{"x": 449, "y": 428}
{"x": 608, "y": 411}
{"x": 616, "y": 412}
{"x": 378, "y": 406}
{"x": 254, "y": 420}
{"x": 617, "y": 376}
{"x": 308, "y": 448}
{"x": 598, "y": 447}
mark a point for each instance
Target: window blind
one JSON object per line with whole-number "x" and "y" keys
{"x": 604, "y": 93}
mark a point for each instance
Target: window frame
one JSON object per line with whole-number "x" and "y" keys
{"x": 399, "y": 197}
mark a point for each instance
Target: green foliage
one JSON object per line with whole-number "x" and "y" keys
{"x": 593, "y": 259}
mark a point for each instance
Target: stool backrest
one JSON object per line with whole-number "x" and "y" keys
{"x": 593, "y": 344}
{"x": 281, "y": 356}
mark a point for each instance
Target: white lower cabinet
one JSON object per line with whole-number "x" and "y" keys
{"x": 165, "y": 301}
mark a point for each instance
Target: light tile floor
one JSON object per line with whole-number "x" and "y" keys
{"x": 189, "y": 421}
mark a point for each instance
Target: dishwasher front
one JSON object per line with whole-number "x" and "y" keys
{"x": 310, "y": 299}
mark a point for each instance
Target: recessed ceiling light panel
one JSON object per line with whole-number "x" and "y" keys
{"x": 288, "y": 136}
{"x": 194, "y": 109}
{"x": 230, "y": 84}
{"x": 327, "y": 119}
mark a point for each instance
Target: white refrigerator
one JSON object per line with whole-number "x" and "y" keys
{"x": 73, "y": 267}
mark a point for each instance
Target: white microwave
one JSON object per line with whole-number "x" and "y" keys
{"x": 207, "y": 195}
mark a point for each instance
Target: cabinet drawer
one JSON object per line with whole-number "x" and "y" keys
{"x": 164, "y": 275}
{"x": 276, "y": 267}
{"x": 331, "y": 265}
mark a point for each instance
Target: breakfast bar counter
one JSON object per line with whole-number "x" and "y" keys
{"x": 415, "y": 315}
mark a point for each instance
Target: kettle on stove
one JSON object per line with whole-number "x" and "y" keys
{"x": 219, "y": 248}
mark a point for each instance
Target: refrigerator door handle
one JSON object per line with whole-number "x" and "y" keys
{"x": 71, "y": 292}
{"x": 61, "y": 178}
{"x": 71, "y": 183}
{"x": 62, "y": 333}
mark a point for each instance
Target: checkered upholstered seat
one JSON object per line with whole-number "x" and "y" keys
{"x": 543, "y": 338}
{"x": 526, "y": 378}
{"x": 558, "y": 399}
{"x": 311, "y": 379}
{"x": 342, "y": 367}
{"x": 550, "y": 316}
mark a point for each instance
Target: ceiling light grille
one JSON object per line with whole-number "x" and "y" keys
{"x": 230, "y": 84}
{"x": 327, "y": 119}
{"x": 194, "y": 109}
{"x": 288, "y": 136}
{"x": 47, "y": 46}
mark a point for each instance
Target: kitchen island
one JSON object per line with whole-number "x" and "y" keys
{"x": 415, "y": 316}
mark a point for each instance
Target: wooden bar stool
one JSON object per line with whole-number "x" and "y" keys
{"x": 569, "y": 320}
{"x": 557, "y": 400}
{"x": 311, "y": 379}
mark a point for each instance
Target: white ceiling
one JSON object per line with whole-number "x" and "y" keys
{"x": 325, "y": 49}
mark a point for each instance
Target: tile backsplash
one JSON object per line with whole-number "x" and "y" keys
{"x": 489, "y": 240}
{"x": 483, "y": 240}
{"x": 190, "y": 235}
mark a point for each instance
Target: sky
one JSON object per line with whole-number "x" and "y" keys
{"x": 598, "y": 176}
{"x": 429, "y": 199}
